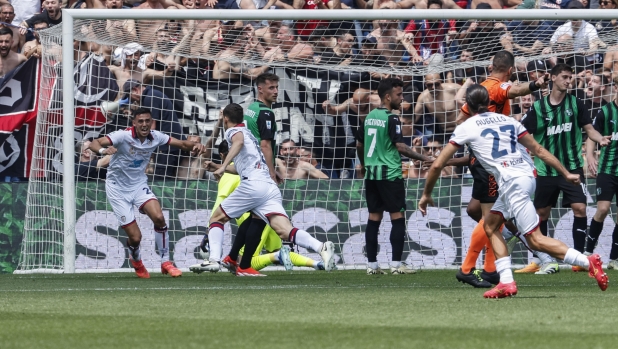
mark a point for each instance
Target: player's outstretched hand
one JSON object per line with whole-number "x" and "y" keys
{"x": 219, "y": 173}
{"x": 110, "y": 150}
{"x": 573, "y": 178}
{"x": 543, "y": 81}
{"x": 423, "y": 203}
{"x": 198, "y": 149}
{"x": 210, "y": 166}
{"x": 605, "y": 141}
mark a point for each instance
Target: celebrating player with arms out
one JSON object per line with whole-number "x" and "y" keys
{"x": 606, "y": 170}
{"x": 379, "y": 144}
{"x": 494, "y": 137}
{"x": 127, "y": 185}
{"x": 556, "y": 122}
{"x": 257, "y": 193}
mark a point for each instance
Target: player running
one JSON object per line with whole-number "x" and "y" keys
{"x": 485, "y": 188}
{"x": 270, "y": 241}
{"x": 127, "y": 185}
{"x": 494, "y": 139}
{"x": 556, "y": 122}
{"x": 606, "y": 171}
{"x": 379, "y": 144}
{"x": 257, "y": 193}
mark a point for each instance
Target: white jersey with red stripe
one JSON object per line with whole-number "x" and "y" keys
{"x": 494, "y": 139}
{"x": 127, "y": 167}
{"x": 250, "y": 163}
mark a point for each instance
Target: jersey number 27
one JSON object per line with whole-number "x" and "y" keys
{"x": 495, "y": 151}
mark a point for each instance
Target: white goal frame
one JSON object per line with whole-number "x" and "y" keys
{"x": 69, "y": 15}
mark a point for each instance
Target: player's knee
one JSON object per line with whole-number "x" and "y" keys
{"x": 601, "y": 213}
{"x": 159, "y": 221}
{"x": 473, "y": 213}
{"x": 579, "y": 210}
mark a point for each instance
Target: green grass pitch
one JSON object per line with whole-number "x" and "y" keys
{"x": 343, "y": 309}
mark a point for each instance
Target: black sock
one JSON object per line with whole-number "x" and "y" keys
{"x": 239, "y": 239}
{"x": 543, "y": 227}
{"x": 593, "y": 235}
{"x": 371, "y": 240}
{"x": 614, "y": 252}
{"x": 398, "y": 237}
{"x": 252, "y": 240}
{"x": 579, "y": 233}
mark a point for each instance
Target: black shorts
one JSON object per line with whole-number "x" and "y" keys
{"x": 384, "y": 195}
{"x": 485, "y": 187}
{"x": 607, "y": 186}
{"x": 549, "y": 187}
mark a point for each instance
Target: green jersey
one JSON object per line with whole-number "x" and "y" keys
{"x": 606, "y": 122}
{"x": 260, "y": 120}
{"x": 379, "y": 134}
{"x": 558, "y": 129}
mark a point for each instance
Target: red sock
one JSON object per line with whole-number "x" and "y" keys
{"x": 477, "y": 241}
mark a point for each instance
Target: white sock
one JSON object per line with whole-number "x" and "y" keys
{"x": 162, "y": 239}
{"x": 135, "y": 253}
{"x": 395, "y": 264}
{"x": 503, "y": 267}
{"x": 544, "y": 257}
{"x": 372, "y": 265}
{"x": 574, "y": 257}
{"x": 276, "y": 254}
{"x": 215, "y": 241}
{"x": 304, "y": 239}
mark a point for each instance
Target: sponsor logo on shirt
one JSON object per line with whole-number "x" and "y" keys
{"x": 398, "y": 129}
{"x": 568, "y": 113}
{"x": 136, "y": 163}
{"x": 614, "y": 136}
{"x": 554, "y": 130}
{"x": 505, "y": 85}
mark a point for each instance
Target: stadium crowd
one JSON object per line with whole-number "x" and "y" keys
{"x": 443, "y": 56}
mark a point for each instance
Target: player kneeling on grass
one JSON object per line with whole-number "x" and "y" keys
{"x": 258, "y": 194}
{"x": 127, "y": 185}
{"x": 270, "y": 241}
{"x": 493, "y": 138}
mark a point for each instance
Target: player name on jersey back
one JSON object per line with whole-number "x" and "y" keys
{"x": 250, "y": 163}
{"x": 493, "y": 138}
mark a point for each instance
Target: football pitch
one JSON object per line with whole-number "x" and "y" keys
{"x": 342, "y": 309}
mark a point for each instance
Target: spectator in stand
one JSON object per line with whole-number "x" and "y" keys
{"x": 131, "y": 67}
{"x": 7, "y": 14}
{"x": 306, "y": 154}
{"x": 354, "y": 109}
{"x": 116, "y": 29}
{"x": 242, "y": 47}
{"x": 529, "y": 37}
{"x": 322, "y": 40}
{"x": 483, "y": 38}
{"x": 438, "y": 100}
{"x": 423, "y": 4}
{"x": 524, "y": 104}
{"x": 430, "y": 37}
{"x": 495, "y": 4}
{"x": 290, "y": 167}
{"x": 605, "y": 27}
{"x": 89, "y": 165}
{"x": 591, "y": 90}
{"x": 418, "y": 169}
{"x": 9, "y": 60}
{"x": 52, "y": 14}
{"x": 289, "y": 48}
{"x": 24, "y": 9}
{"x": 241, "y": 4}
{"x": 267, "y": 35}
{"x": 305, "y": 28}
{"x": 585, "y": 39}
{"x": 34, "y": 48}
{"x": 164, "y": 120}
{"x": 341, "y": 53}
{"x": 394, "y": 42}
{"x": 475, "y": 72}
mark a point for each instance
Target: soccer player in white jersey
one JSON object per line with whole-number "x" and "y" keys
{"x": 258, "y": 194}
{"x": 493, "y": 138}
{"x": 127, "y": 185}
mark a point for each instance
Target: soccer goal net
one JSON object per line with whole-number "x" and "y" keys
{"x": 192, "y": 63}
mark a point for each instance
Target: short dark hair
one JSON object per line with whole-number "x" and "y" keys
{"x": 559, "y": 68}
{"x": 387, "y": 85}
{"x": 262, "y": 78}
{"x": 287, "y": 140}
{"x": 140, "y": 111}
{"x": 234, "y": 112}
{"x": 6, "y": 31}
{"x": 477, "y": 99}
{"x": 503, "y": 60}
{"x": 434, "y": 2}
{"x": 224, "y": 148}
{"x": 40, "y": 21}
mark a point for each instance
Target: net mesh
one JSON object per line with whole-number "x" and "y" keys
{"x": 329, "y": 72}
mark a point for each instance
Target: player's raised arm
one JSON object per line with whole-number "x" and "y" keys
{"x": 535, "y": 148}
{"x": 102, "y": 146}
{"x": 433, "y": 174}
{"x": 195, "y": 148}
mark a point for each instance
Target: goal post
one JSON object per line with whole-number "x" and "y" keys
{"x": 431, "y": 242}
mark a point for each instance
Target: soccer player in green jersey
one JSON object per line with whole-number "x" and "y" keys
{"x": 378, "y": 145}
{"x": 606, "y": 171}
{"x": 555, "y": 122}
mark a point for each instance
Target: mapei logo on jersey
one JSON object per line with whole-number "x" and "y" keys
{"x": 554, "y": 130}
{"x": 398, "y": 129}
{"x": 268, "y": 124}
{"x": 614, "y": 136}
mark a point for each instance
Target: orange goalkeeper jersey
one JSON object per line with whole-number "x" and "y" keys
{"x": 498, "y": 96}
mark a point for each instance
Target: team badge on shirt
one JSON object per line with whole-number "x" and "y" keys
{"x": 568, "y": 112}
{"x": 268, "y": 124}
{"x": 123, "y": 218}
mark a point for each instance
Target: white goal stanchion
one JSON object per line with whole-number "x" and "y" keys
{"x": 328, "y": 82}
